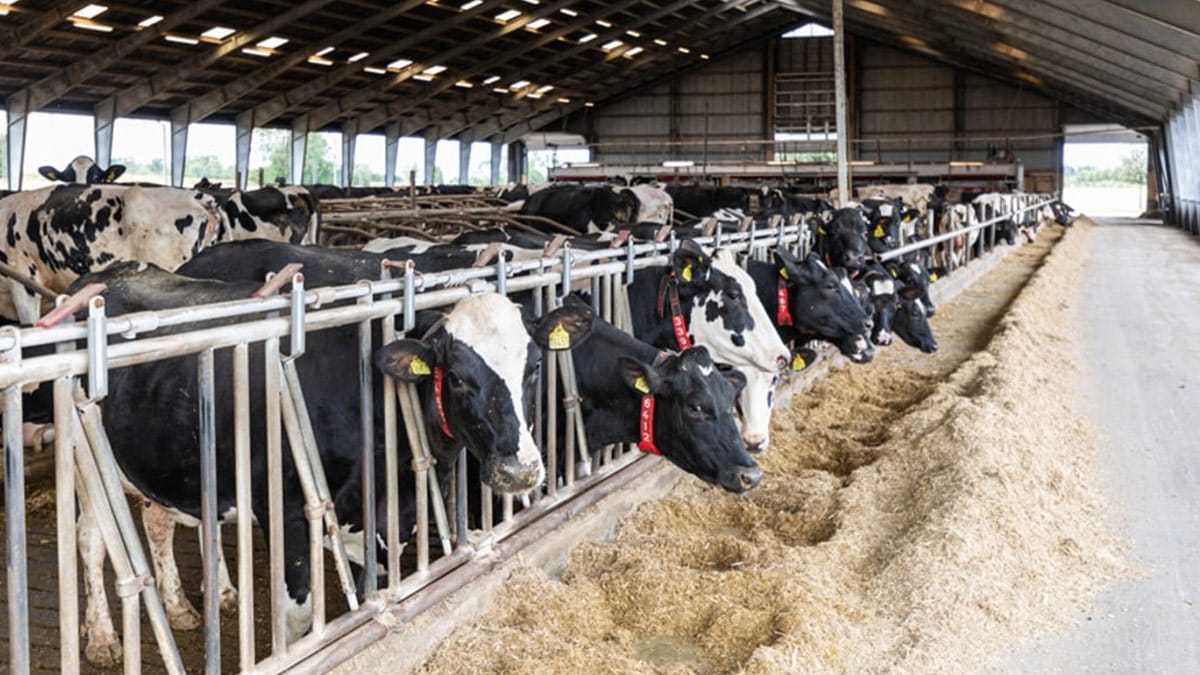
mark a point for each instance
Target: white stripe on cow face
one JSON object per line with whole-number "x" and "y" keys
{"x": 492, "y": 326}
{"x": 756, "y": 401}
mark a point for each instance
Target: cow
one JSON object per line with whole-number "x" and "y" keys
{"x": 916, "y": 196}
{"x": 84, "y": 170}
{"x": 709, "y": 300}
{"x": 61, "y": 232}
{"x": 483, "y": 346}
{"x": 584, "y": 209}
{"x": 679, "y": 406}
{"x": 654, "y": 204}
{"x": 842, "y": 242}
{"x": 808, "y": 302}
{"x": 292, "y": 211}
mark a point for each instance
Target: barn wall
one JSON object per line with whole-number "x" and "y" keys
{"x": 904, "y": 107}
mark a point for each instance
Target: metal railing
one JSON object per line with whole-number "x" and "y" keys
{"x": 465, "y": 523}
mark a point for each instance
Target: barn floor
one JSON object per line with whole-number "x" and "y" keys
{"x": 1140, "y": 316}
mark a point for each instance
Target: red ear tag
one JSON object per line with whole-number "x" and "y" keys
{"x": 646, "y": 426}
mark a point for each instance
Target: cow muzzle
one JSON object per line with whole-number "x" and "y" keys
{"x": 739, "y": 479}
{"x": 509, "y": 475}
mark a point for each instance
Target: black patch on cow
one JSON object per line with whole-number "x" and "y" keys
{"x": 737, "y": 339}
{"x": 182, "y": 224}
{"x": 3, "y": 257}
{"x": 712, "y": 310}
{"x": 105, "y": 258}
{"x": 94, "y": 196}
{"x": 12, "y": 234}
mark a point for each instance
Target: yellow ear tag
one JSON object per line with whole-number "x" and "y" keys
{"x": 783, "y": 272}
{"x": 798, "y": 363}
{"x": 418, "y": 366}
{"x": 907, "y": 219}
{"x": 932, "y": 277}
{"x": 821, "y": 231}
{"x": 559, "y": 339}
{"x": 640, "y": 385}
{"x": 894, "y": 273}
{"x": 687, "y": 272}
{"x": 879, "y": 233}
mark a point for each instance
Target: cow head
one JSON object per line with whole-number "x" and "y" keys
{"x": 843, "y": 240}
{"x": 912, "y": 322}
{"x": 625, "y": 205}
{"x": 823, "y": 306}
{"x": 912, "y": 271}
{"x": 884, "y": 217}
{"x": 83, "y": 169}
{"x": 879, "y": 289}
{"x": 488, "y": 363}
{"x": 693, "y": 416}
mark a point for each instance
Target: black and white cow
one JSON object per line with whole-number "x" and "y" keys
{"x": 483, "y": 349}
{"x": 83, "y": 169}
{"x": 584, "y": 209}
{"x": 842, "y": 242}
{"x": 809, "y": 302}
{"x": 708, "y": 300}
{"x": 677, "y": 405}
{"x": 288, "y": 213}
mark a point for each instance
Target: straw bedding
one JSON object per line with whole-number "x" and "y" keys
{"x": 919, "y": 514}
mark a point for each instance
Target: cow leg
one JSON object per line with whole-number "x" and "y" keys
{"x": 229, "y": 594}
{"x": 103, "y": 646}
{"x": 160, "y": 535}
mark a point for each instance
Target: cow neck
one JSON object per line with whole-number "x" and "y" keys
{"x": 783, "y": 315}
{"x": 439, "y": 376}
{"x": 668, "y": 294}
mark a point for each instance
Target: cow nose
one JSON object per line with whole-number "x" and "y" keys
{"x": 883, "y": 339}
{"x": 755, "y": 443}
{"x": 781, "y": 362}
{"x": 510, "y": 475}
{"x": 931, "y": 348}
{"x": 749, "y": 476}
{"x": 930, "y": 310}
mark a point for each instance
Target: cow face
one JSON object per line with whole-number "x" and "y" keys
{"x": 884, "y": 217}
{"x": 489, "y": 365}
{"x": 725, "y": 314}
{"x": 912, "y": 271}
{"x": 693, "y": 416}
{"x": 880, "y": 289}
{"x": 625, "y": 208}
{"x": 83, "y": 169}
{"x": 823, "y": 305}
{"x": 912, "y": 323}
{"x": 843, "y": 240}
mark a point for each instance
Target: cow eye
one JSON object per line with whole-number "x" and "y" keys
{"x": 454, "y": 380}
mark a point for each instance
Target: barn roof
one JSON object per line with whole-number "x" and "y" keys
{"x": 477, "y": 68}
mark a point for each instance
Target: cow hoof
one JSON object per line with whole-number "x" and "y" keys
{"x": 229, "y": 600}
{"x": 105, "y": 653}
{"x": 185, "y": 618}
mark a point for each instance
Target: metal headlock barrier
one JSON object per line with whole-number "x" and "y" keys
{"x": 463, "y": 523}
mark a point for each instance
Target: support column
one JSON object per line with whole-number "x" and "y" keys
{"x": 497, "y": 146}
{"x": 299, "y": 148}
{"x": 349, "y": 137}
{"x": 518, "y": 166}
{"x": 14, "y": 149}
{"x": 104, "y": 119}
{"x": 464, "y": 161}
{"x": 431, "y": 139}
{"x": 179, "y": 139}
{"x": 243, "y": 129}
{"x": 839, "y": 87}
{"x": 770, "y": 63}
{"x": 391, "y": 146}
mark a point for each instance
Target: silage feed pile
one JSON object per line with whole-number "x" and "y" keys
{"x": 918, "y": 515}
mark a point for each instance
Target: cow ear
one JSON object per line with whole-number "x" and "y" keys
{"x": 406, "y": 360}
{"x": 691, "y": 262}
{"x": 565, "y": 327}
{"x": 640, "y": 377}
{"x": 802, "y": 358}
{"x": 49, "y": 173}
{"x": 114, "y": 172}
{"x": 789, "y": 267}
{"x": 735, "y": 378}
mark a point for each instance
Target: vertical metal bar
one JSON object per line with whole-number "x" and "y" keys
{"x": 245, "y": 535}
{"x": 64, "y": 489}
{"x": 366, "y": 402}
{"x": 279, "y": 596}
{"x": 839, "y": 89}
{"x": 551, "y": 412}
{"x": 408, "y": 396}
{"x": 391, "y": 457}
{"x": 313, "y": 508}
{"x": 460, "y": 505}
{"x": 208, "y": 513}
{"x": 97, "y": 345}
{"x": 14, "y": 530}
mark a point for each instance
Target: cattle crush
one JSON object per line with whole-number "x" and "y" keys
{"x": 451, "y": 533}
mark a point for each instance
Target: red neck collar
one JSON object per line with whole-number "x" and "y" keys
{"x": 646, "y": 425}
{"x": 783, "y": 314}
{"x": 669, "y": 291}
{"x": 438, "y": 375}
